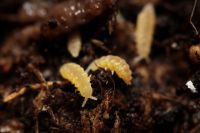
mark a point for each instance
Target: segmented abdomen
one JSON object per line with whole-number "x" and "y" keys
{"x": 145, "y": 27}
{"x": 77, "y": 76}
{"x": 113, "y": 63}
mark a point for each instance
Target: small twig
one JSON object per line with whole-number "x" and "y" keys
{"x": 15, "y": 94}
{"x": 36, "y": 86}
{"x": 191, "y": 16}
{"x": 100, "y": 44}
{"x": 158, "y": 96}
{"x": 38, "y": 74}
{"x": 37, "y": 125}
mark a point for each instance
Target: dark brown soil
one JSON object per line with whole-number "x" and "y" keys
{"x": 158, "y": 99}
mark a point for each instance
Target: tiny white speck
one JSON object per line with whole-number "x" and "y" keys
{"x": 190, "y": 85}
{"x": 78, "y": 4}
{"x": 77, "y": 12}
{"x": 65, "y": 9}
{"x": 96, "y": 6}
{"x": 29, "y": 8}
{"x": 112, "y": 72}
{"x": 83, "y": 10}
{"x": 42, "y": 12}
{"x": 70, "y": 13}
{"x": 72, "y": 8}
{"x": 174, "y": 45}
{"x": 44, "y": 108}
{"x": 90, "y": 76}
{"x": 63, "y": 18}
{"x": 66, "y": 27}
{"x": 105, "y": 68}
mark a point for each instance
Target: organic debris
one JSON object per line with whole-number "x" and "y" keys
{"x": 162, "y": 96}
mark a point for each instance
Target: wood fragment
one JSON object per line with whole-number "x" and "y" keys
{"x": 15, "y": 94}
{"x": 100, "y": 44}
{"x": 36, "y": 86}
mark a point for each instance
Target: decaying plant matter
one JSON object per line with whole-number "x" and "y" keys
{"x": 37, "y": 86}
{"x": 159, "y": 95}
{"x": 59, "y": 19}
